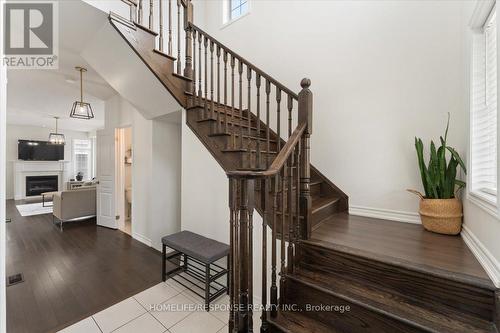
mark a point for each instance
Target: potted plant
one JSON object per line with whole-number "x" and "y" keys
{"x": 440, "y": 210}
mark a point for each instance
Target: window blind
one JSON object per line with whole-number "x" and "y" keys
{"x": 484, "y": 110}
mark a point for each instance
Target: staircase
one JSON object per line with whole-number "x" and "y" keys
{"x": 259, "y": 132}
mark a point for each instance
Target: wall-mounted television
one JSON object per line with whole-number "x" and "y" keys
{"x": 31, "y": 150}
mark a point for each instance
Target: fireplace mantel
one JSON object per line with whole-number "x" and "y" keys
{"x": 22, "y": 169}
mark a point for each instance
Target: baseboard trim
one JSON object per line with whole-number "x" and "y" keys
{"x": 485, "y": 258}
{"x": 385, "y": 214}
{"x": 141, "y": 238}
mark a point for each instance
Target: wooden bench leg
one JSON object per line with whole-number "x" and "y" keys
{"x": 164, "y": 263}
{"x": 207, "y": 287}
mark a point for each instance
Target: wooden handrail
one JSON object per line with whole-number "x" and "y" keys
{"x": 247, "y": 63}
{"x": 278, "y": 162}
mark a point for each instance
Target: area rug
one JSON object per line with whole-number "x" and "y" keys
{"x": 33, "y": 209}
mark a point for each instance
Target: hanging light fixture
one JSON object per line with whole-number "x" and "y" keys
{"x": 81, "y": 109}
{"x": 57, "y": 138}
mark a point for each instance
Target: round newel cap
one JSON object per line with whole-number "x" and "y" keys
{"x": 305, "y": 83}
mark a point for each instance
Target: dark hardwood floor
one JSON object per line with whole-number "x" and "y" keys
{"x": 405, "y": 242}
{"x": 72, "y": 274}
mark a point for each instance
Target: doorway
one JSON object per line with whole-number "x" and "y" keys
{"x": 124, "y": 162}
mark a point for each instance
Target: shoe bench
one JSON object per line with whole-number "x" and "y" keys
{"x": 194, "y": 257}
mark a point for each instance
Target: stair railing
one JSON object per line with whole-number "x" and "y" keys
{"x": 284, "y": 194}
{"x": 240, "y": 98}
{"x": 170, "y": 20}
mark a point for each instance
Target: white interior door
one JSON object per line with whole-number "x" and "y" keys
{"x": 105, "y": 146}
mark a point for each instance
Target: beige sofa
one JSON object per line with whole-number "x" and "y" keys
{"x": 74, "y": 205}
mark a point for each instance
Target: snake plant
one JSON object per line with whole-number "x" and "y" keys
{"x": 439, "y": 177}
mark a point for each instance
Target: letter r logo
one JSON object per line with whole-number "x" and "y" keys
{"x": 29, "y": 28}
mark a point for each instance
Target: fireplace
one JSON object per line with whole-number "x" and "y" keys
{"x": 36, "y": 185}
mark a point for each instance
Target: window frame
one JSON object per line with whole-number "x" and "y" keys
{"x": 226, "y": 13}
{"x": 91, "y": 154}
{"x": 483, "y": 198}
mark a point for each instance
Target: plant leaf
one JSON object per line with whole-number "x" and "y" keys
{"x": 458, "y": 158}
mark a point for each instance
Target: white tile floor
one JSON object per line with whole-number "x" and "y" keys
{"x": 167, "y": 307}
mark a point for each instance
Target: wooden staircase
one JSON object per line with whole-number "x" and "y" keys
{"x": 258, "y": 130}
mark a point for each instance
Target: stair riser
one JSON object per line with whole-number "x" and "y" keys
{"x": 323, "y": 213}
{"x": 357, "y": 320}
{"x": 427, "y": 290}
{"x": 315, "y": 190}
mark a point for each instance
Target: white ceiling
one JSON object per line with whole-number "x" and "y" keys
{"x": 35, "y": 96}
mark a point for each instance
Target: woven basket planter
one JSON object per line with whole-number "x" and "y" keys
{"x": 442, "y": 216}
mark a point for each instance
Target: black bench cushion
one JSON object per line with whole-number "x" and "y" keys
{"x": 202, "y": 248}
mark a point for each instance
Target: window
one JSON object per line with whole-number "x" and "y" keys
{"x": 236, "y": 9}
{"x": 82, "y": 158}
{"x": 483, "y": 178}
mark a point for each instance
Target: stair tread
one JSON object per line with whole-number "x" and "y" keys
{"x": 394, "y": 305}
{"x": 291, "y": 322}
{"x": 322, "y": 202}
{"x": 409, "y": 265}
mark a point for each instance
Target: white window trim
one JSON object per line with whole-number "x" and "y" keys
{"x": 91, "y": 157}
{"x": 482, "y": 199}
{"x": 226, "y": 20}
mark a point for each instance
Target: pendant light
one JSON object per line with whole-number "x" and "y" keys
{"x": 57, "y": 138}
{"x": 81, "y": 109}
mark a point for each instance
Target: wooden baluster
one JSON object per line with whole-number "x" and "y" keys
{"x": 200, "y": 92}
{"x": 249, "y": 257}
{"x": 240, "y": 78}
{"x": 219, "y": 107}
{"x": 231, "y": 267}
{"x": 265, "y": 207}
{"x": 257, "y": 153}
{"x": 169, "y": 27}
{"x": 179, "y": 63}
{"x": 268, "y": 125}
{"x": 140, "y": 13}
{"x": 205, "y": 104}
{"x": 290, "y": 211}
{"x": 249, "y": 120}
{"x": 278, "y": 117}
{"x": 212, "y": 107}
{"x": 305, "y": 109}
{"x": 244, "y": 250}
{"x": 161, "y": 25}
{"x": 194, "y": 67}
{"x": 297, "y": 192}
{"x": 274, "y": 288}
{"x": 133, "y": 12}
{"x": 237, "y": 257}
{"x": 282, "y": 242}
{"x": 151, "y": 15}
{"x": 225, "y": 93}
{"x": 290, "y": 108}
{"x": 188, "y": 19}
{"x": 232, "y": 102}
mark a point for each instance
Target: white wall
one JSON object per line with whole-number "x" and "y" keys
{"x": 156, "y": 171}
{"x": 382, "y": 72}
{"x": 16, "y": 132}
{"x": 165, "y": 180}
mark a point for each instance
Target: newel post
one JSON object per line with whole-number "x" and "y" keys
{"x": 188, "y": 18}
{"x": 305, "y": 116}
